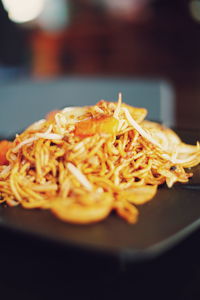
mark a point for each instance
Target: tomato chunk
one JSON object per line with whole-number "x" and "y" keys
{"x": 104, "y": 124}
{"x": 4, "y": 147}
{"x": 51, "y": 115}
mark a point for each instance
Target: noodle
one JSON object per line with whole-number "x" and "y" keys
{"x": 82, "y": 163}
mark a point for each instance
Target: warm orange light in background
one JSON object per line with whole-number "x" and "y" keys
{"x": 21, "y": 11}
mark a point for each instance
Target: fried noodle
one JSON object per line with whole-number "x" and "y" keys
{"x": 85, "y": 162}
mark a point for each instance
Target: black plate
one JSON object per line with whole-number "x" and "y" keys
{"x": 167, "y": 219}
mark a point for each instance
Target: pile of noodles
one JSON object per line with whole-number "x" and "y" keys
{"x": 88, "y": 161}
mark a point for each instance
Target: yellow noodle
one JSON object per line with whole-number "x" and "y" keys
{"x": 105, "y": 163}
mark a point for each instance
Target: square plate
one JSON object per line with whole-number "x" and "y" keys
{"x": 163, "y": 222}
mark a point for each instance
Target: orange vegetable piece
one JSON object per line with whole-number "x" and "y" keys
{"x": 4, "y": 147}
{"x": 104, "y": 124}
{"x": 51, "y": 115}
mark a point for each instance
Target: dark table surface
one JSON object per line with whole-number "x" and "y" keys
{"x": 32, "y": 269}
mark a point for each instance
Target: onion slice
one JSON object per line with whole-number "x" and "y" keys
{"x": 79, "y": 175}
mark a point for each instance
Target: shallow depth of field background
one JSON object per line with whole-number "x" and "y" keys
{"x": 135, "y": 40}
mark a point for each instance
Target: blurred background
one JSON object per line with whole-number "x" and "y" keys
{"x": 130, "y": 39}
